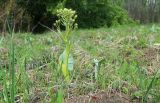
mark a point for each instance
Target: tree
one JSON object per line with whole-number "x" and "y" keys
{"x": 145, "y": 11}
{"x": 97, "y": 13}
{"x": 38, "y": 11}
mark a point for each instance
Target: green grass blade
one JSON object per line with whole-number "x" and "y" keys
{"x": 150, "y": 85}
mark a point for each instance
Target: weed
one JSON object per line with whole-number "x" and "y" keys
{"x": 67, "y": 18}
{"x": 126, "y": 63}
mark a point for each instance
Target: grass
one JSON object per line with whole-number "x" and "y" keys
{"x": 128, "y": 62}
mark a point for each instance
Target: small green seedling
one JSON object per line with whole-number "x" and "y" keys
{"x": 96, "y": 68}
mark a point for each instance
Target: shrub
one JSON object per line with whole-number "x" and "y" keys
{"x": 98, "y": 13}
{"x": 38, "y": 11}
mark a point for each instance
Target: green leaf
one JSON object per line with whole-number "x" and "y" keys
{"x": 138, "y": 94}
{"x": 60, "y": 96}
{"x": 66, "y": 64}
{"x": 96, "y": 62}
{"x": 1, "y": 40}
{"x": 70, "y": 63}
{"x": 62, "y": 58}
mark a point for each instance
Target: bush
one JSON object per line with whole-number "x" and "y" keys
{"x": 38, "y": 11}
{"x": 29, "y": 15}
{"x": 26, "y": 15}
{"x": 98, "y": 13}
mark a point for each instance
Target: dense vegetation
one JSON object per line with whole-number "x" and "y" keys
{"x": 30, "y": 15}
{"x": 145, "y": 11}
{"x": 127, "y": 57}
{"x": 98, "y": 13}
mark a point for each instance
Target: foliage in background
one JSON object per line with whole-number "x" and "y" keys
{"x": 27, "y": 15}
{"x": 144, "y": 11}
{"x": 38, "y": 11}
{"x": 98, "y": 13}
{"x": 30, "y": 15}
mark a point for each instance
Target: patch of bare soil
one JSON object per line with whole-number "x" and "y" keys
{"x": 3, "y": 57}
{"x": 102, "y": 97}
{"x": 151, "y": 59}
{"x": 1, "y": 87}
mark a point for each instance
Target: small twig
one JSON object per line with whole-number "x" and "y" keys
{"x": 3, "y": 15}
{"x": 50, "y": 29}
{"x": 43, "y": 66}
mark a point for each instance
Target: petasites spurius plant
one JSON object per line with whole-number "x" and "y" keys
{"x": 67, "y": 19}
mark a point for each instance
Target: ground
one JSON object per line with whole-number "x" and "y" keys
{"x": 128, "y": 60}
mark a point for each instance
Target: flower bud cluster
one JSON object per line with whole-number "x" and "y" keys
{"x": 67, "y": 18}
